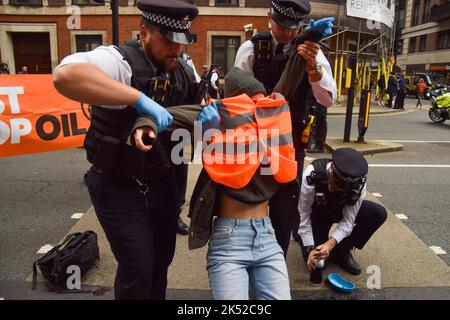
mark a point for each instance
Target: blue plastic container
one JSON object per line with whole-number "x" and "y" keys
{"x": 340, "y": 284}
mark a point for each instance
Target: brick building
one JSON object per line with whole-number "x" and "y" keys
{"x": 423, "y": 43}
{"x": 39, "y": 33}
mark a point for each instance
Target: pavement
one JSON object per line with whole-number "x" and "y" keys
{"x": 340, "y": 108}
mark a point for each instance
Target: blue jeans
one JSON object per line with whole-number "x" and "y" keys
{"x": 242, "y": 252}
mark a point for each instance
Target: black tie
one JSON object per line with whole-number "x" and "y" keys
{"x": 279, "y": 49}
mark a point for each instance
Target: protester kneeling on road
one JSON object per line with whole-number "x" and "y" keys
{"x": 333, "y": 191}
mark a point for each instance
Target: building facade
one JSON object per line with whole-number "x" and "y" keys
{"x": 40, "y": 33}
{"x": 423, "y": 43}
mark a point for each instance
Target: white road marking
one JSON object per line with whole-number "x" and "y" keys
{"x": 376, "y": 194}
{"x": 45, "y": 249}
{"x": 394, "y": 165}
{"x": 414, "y": 141}
{"x": 401, "y": 216}
{"x": 438, "y": 250}
{"x": 76, "y": 216}
{"x": 2, "y": 298}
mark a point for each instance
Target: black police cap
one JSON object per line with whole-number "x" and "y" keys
{"x": 173, "y": 18}
{"x": 349, "y": 164}
{"x": 290, "y": 13}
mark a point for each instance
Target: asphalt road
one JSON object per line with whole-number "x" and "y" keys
{"x": 40, "y": 192}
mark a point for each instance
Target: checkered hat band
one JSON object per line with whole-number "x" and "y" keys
{"x": 167, "y": 22}
{"x": 347, "y": 179}
{"x": 288, "y": 12}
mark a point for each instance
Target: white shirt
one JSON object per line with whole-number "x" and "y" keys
{"x": 214, "y": 78}
{"x": 307, "y": 197}
{"x": 190, "y": 63}
{"x": 110, "y": 61}
{"x": 324, "y": 91}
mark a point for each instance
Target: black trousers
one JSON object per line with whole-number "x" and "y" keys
{"x": 181, "y": 175}
{"x": 400, "y": 101}
{"x": 320, "y": 127}
{"x": 141, "y": 230}
{"x": 280, "y": 212}
{"x": 370, "y": 217}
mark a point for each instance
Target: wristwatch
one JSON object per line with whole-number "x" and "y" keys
{"x": 317, "y": 68}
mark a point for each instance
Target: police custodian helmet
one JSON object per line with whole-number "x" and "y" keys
{"x": 289, "y": 13}
{"x": 172, "y": 18}
{"x": 350, "y": 168}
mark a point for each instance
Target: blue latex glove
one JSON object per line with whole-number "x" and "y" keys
{"x": 145, "y": 105}
{"x": 323, "y": 26}
{"x": 209, "y": 117}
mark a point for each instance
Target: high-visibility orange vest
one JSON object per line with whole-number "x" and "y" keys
{"x": 251, "y": 136}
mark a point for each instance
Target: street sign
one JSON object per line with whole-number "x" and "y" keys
{"x": 376, "y": 10}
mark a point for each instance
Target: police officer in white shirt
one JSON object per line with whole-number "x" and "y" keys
{"x": 333, "y": 191}
{"x": 133, "y": 187}
{"x": 265, "y": 56}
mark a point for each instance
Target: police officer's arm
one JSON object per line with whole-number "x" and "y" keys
{"x": 96, "y": 77}
{"x": 306, "y": 200}
{"x": 245, "y": 57}
{"x": 322, "y": 83}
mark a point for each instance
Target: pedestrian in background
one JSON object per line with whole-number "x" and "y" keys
{"x": 24, "y": 70}
{"x": 421, "y": 88}
{"x": 4, "y": 68}
{"x": 392, "y": 89}
{"x": 381, "y": 90}
{"x": 401, "y": 92}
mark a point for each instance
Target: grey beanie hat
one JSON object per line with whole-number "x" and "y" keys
{"x": 238, "y": 81}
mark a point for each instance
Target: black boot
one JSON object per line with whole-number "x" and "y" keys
{"x": 182, "y": 227}
{"x": 346, "y": 262}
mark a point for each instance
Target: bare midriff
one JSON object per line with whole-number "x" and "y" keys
{"x": 231, "y": 208}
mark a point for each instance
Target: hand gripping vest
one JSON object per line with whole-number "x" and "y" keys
{"x": 251, "y": 136}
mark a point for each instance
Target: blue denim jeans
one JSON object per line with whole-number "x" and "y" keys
{"x": 242, "y": 252}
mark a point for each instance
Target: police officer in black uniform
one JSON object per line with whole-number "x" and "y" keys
{"x": 133, "y": 187}
{"x": 333, "y": 191}
{"x": 265, "y": 56}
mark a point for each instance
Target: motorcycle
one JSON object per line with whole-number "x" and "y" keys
{"x": 440, "y": 105}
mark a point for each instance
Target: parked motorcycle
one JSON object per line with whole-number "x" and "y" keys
{"x": 440, "y": 105}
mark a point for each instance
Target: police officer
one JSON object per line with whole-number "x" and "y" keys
{"x": 265, "y": 56}
{"x": 133, "y": 191}
{"x": 333, "y": 192}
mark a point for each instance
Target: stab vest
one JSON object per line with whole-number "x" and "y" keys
{"x": 268, "y": 68}
{"x": 105, "y": 141}
{"x": 246, "y": 137}
{"x": 324, "y": 198}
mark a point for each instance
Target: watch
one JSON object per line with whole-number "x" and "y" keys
{"x": 317, "y": 68}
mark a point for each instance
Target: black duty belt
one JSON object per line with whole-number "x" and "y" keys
{"x": 143, "y": 183}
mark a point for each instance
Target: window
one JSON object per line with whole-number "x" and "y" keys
{"x": 31, "y": 3}
{"x": 422, "y": 43}
{"x": 87, "y": 3}
{"x": 88, "y": 42}
{"x": 415, "y": 15}
{"x": 427, "y": 11}
{"x": 224, "y": 49}
{"x": 224, "y": 3}
{"x": 401, "y": 19}
{"x": 443, "y": 40}
{"x": 399, "y": 47}
{"x": 412, "y": 45}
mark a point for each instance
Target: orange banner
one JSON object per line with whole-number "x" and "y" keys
{"x": 34, "y": 117}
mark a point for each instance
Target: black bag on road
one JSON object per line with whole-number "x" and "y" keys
{"x": 77, "y": 249}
